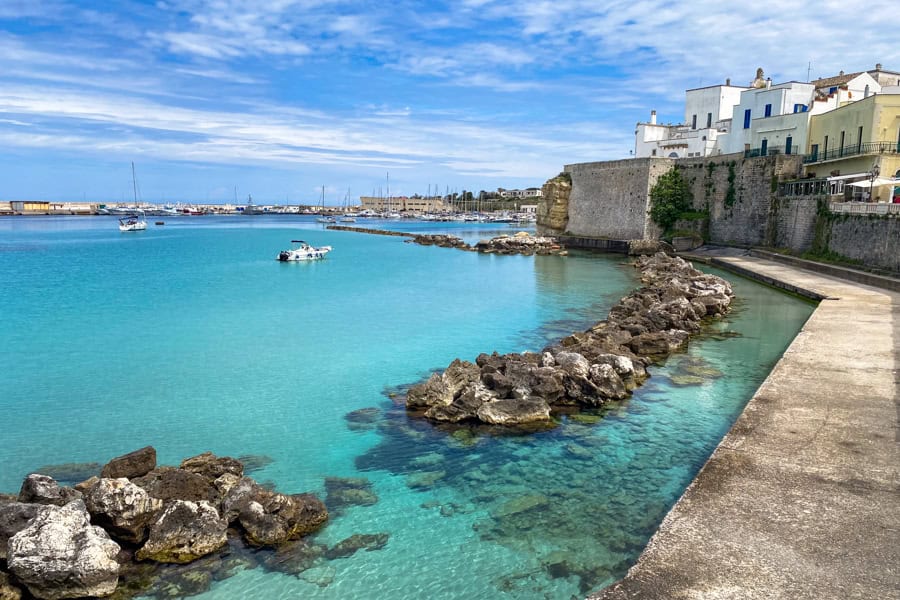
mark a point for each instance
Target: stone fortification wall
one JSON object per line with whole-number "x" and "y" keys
{"x": 794, "y": 220}
{"x": 739, "y": 195}
{"x": 873, "y": 240}
{"x": 610, "y": 199}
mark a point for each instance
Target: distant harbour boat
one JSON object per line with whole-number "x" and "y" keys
{"x": 133, "y": 222}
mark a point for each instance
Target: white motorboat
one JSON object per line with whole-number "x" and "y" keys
{"x": 132, "y": 223}
{"x": 303, "y": 251}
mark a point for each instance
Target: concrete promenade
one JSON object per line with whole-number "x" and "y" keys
{"x": 801, "y": 499}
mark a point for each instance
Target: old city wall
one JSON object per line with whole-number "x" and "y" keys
{"x": 795, "y": 222}
{"x": 872, "y": 240}
{"x": 739, "y": 195}
{"x": 610, "y": 199}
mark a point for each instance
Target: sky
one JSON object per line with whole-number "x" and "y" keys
{"x": 217, "y": 100}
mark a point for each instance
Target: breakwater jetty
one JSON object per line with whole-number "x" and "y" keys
{"x": 370, "y": 230}
{"x": 586, "y": 369}
{"x": 520, "y": 243}
{"x": 800, "y": 499}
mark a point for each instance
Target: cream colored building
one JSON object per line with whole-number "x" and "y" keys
{"x": 402, "y": 204}
{"x": 855, "y": 138}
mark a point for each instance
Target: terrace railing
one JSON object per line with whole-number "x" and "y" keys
{"x": 854, "y": 150}
{"x": 865, "y": 208}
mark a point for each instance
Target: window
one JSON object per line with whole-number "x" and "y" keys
{"x": 764, "y": 147}
{"x": 708, "y": 120}
{"x": 825, "y": 149}
{"x": 768, "y": 110}
{"x": 694, "y": 122}
{"x": 841, "y": 148}
{"x": 653, "y": 152}
{"x": 788, "y": 143}
{"x": 859, "y": 140}
{"x": 814, "y": 151}
{"x": 747, "y": 119}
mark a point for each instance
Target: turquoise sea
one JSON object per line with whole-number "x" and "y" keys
{"x": 191, "y": 337}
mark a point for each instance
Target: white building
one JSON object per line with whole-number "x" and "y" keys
{"x": 707, "y": 115}
{"x": 772, "y": 118}
{"x": 758, "y": 120}
{"x": 526, "y": 193}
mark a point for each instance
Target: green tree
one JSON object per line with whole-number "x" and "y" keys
{"x": 670, "y": 197}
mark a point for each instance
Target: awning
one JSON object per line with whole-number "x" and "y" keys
{"x": 877, "y": 182}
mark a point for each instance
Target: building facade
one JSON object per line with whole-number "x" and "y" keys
{"x": 856, "y": 140}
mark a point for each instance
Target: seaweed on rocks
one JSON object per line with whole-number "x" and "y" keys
{"x": 585, "y": 369}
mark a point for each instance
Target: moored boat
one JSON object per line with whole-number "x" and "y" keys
{"x": 132, "y": 223}
{"x": 303, "y": 251}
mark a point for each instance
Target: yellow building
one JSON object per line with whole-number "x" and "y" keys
{"x": 402, "y": 204}
{"x": 857, "y": 138}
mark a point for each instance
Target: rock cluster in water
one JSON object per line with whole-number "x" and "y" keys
{"x": 520, "y": 243}
{"x": 62, "y": 542}
{"x": 585, "y": 369}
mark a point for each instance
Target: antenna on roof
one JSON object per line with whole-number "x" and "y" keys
{"x": 808, "y": 69}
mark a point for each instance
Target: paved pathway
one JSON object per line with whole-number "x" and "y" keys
{"x": 801, "y": 500}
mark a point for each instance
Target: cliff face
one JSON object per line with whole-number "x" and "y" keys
{"x": 553, "y": 208}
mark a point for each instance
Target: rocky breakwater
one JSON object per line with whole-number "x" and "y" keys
{"x": 585, "y": 369}
{"x": 60, "y": 542}
{"x": 520, "y": 243}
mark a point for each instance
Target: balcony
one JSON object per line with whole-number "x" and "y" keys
{"x": 855, "y": 150}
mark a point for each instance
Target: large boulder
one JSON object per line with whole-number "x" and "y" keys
{"x": 43, "y": 489}
{"x": 14, "y": 517}
{"x": 61, "y": 555}
{"x": 269, "y": 518}
{"x": 131, "y": 465}
{"x": 464, "y": 406}
{"x": 211, "y": 466}
{"x": 169, "y": 483}
{"x": 124, "y": 509}
{"x": 184, "y": 532}
{"x": 510, "y": 411}
{"x": 442, "y": 389}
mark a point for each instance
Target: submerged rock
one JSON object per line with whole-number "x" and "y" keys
{"x": 356, "y": 542}
{"x": 342, "y": 492}
{"x": 71, "y": 472}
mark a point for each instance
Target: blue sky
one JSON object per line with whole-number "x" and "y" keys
{"x": 278, "y": 98}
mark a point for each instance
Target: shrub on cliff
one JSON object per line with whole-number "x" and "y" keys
{"x": 670, "y": 197}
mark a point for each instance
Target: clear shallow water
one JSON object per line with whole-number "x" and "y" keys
{"x": 191, "y": 337}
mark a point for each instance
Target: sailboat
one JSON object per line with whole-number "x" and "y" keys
{"x": 323, "y": 218}
{"x": 349, "y": 217}
{"x": 133, "y": 222}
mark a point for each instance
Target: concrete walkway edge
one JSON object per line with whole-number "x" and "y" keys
{"x": 801, "y": 499}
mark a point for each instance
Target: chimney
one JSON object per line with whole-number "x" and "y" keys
{"x": 878, "y": 67}
{"x": 840, "y": 74}
{"x": 728, "y": 81}
{"x": 653, "y": 117}
{"x": 768, "y": 82}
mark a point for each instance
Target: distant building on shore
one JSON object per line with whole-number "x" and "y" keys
{"x": 402, "y": 203}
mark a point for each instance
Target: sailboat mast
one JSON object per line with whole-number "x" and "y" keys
{"x": 134, "y": 183}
